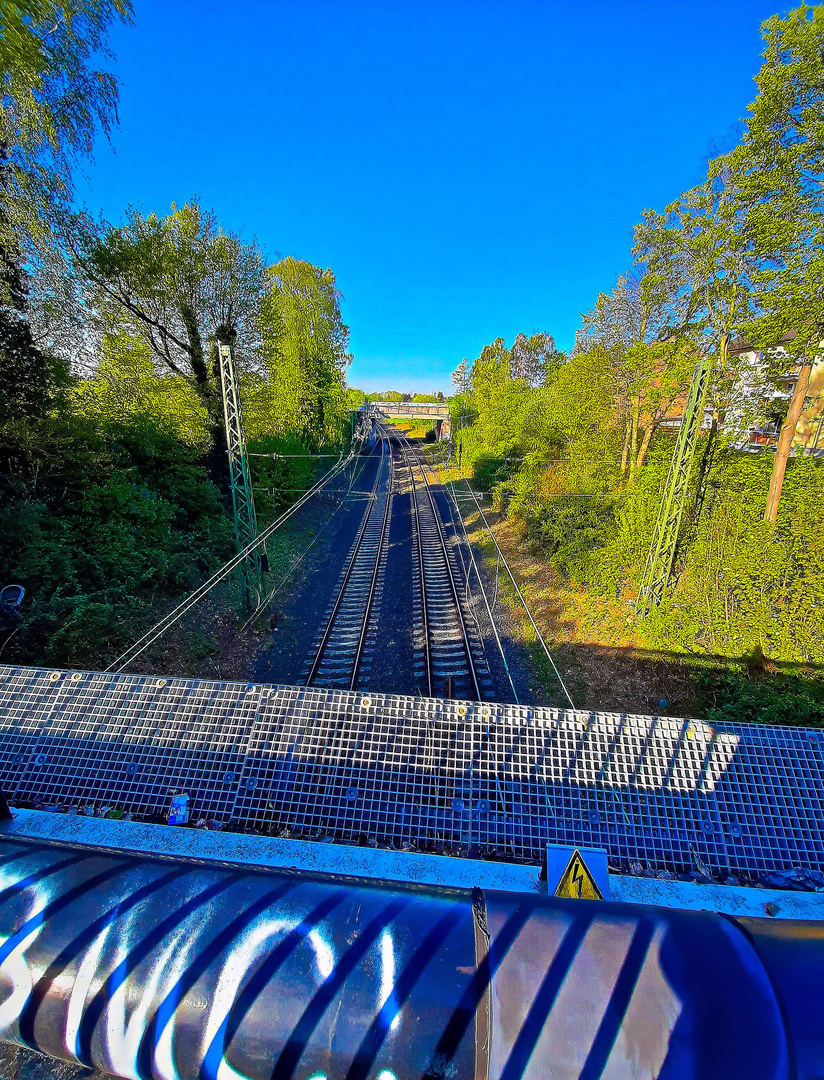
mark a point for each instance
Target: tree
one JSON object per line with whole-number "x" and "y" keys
{"x": 54, "y": 99}
{"x": 29, "y": 376}
{"x": 534, "y": 359}
{"x": 181, "y": 284}
{"x": 698, "y": 245}
{"x": 496, "y": 399}
{"x": 304, "y": 344}
{"x": 637, "y": 323}
{"x": 461, "y": 377}
{"x": 780, "y": 170}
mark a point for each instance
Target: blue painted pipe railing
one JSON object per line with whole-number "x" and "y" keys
{"x": 179, "y": 970}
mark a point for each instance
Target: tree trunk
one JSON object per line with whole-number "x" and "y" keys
{"x": 633, "y": 441}
{"x": 207, "y": 385}
{"x": 205, "y": 381}
{"x": 642, "y": 453}
{"x": 625, "y": 454}
{"x": 785, "y": 442}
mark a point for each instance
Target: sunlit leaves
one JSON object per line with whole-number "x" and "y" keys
{"x": 54, "y": 98}
{"x": 304, "y": 344}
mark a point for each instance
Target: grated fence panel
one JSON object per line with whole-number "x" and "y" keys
{"x": 436, "y": 775}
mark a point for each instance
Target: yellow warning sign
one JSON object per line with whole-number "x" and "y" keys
{"x": 577, "y": 882}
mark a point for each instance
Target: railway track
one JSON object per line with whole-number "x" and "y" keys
{"x": 449, "y": 653}
{"x": 340, "y": 653}
{"x": 449, "y": 659}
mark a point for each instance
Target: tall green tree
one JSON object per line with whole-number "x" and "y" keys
{"x": 461, "y": 377}
{"x": 182, "y": 284}
{"x": 304, "y": 345}
{"x": 637, "y": 323}
{"x": 534, "y": 359}
{"x": 54, "y": 97}
{"x": 31, "y": 377}
{"x": 780, "y": 170}
{"x": 698, "y": 245}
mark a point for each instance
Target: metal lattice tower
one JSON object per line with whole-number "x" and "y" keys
{"x": 661, "y": 556}
{"x": 243, "y": 502}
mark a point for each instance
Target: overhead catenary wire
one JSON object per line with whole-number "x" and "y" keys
{"x": 524, "y": 603}
{"x": 279, "y": 585}
{"x": 278, "y": 490}
{"x": 486, "y": 601}
{"x": 167, "y": 621}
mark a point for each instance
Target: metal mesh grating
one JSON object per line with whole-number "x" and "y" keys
{"x": 436, "y": 775}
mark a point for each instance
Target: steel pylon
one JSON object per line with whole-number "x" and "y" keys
{"x": 661, "y": 555}
{"x": 243, "y": 502}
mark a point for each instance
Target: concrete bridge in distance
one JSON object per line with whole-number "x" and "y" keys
{"x": 415, "y": 410}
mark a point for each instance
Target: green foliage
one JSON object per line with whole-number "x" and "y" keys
{"x": 278, "y": 481}
{"x": 386, "y": 395}
{"x": 127, "y": 389}
{"x": 754, "y": 697}
{"x": 780, "y": 168}
{"x": 111, "y": 484}
{"x": 534, "y": 359}
{"x": 179, "y": 284}
{"x": 747, "y": 587}
{"x": 304, "y": 343}
{"x": 31, "y": 378}
{"x": 489, "y": 472}
{"x": 54, "y": 98}
{"x": 568, "y": 531}
{"x": 101, "y": 521}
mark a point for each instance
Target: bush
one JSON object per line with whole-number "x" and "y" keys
{"x": 745, "y": 587}
{"x": 566, "y": 530}
{"x": 489, "y": 472}
{"x": 100, "y": 521}
{"x": 736, "y": 697}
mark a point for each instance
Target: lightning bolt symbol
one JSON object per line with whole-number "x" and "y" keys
{"x": 577, "y": 878}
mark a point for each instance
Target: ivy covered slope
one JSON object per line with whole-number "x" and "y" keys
{"x": 101, "y": 520}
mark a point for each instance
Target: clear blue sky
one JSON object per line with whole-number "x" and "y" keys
{"x": 469, "y": 169}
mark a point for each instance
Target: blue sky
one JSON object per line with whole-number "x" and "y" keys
{"x": 469, "y": 169}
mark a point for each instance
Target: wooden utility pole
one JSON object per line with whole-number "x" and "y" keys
{"x": 785, "y": 442}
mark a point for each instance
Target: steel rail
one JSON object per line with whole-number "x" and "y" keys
{"x": 425, "y": 612}
{"x": 375, "y": 570}
{"x": 450, "y": 575}
{"x": 330, "y": 623}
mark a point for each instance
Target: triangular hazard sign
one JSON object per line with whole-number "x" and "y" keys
{"x": 577, "y": 882}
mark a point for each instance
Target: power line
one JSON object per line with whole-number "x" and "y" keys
{"x": 523, "y": 602}
{"x": 483, "y": 594}
{"x": 167, "y": 621}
